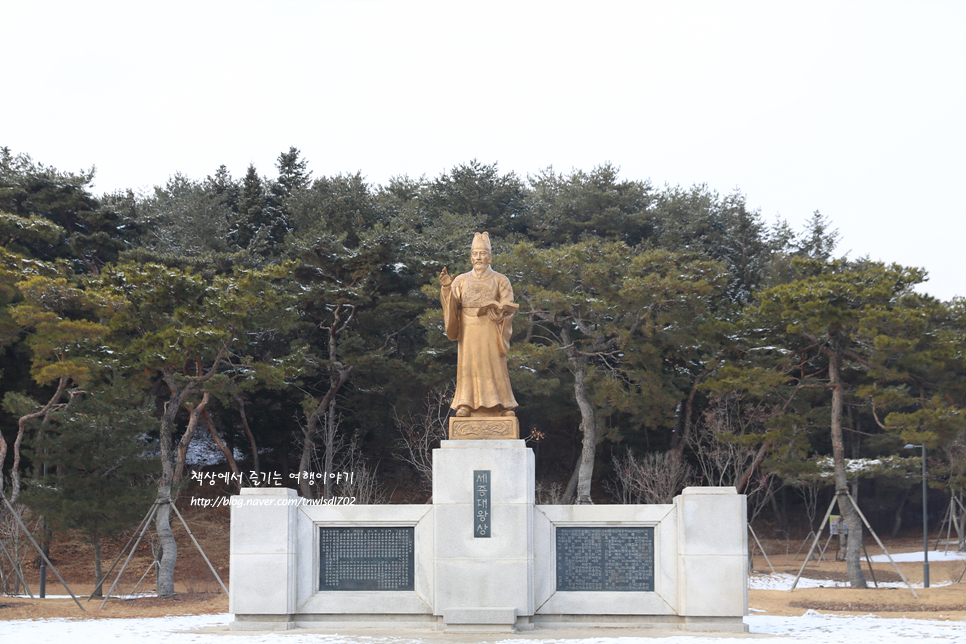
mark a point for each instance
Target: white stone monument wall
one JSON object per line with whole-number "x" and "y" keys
{"x": 484, "y": 556}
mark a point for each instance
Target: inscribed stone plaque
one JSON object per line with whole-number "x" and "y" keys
{"x": 615, "y": 559}
{"x": 366, "y": 558}
{"x": 481, "y": 504}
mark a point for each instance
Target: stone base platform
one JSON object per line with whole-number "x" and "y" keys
{"x": 484, "y": 558}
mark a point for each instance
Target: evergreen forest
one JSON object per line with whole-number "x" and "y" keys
{"x": 666, "y": 337}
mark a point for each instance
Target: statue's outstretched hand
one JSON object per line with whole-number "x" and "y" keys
{"x": 445, "y": 278}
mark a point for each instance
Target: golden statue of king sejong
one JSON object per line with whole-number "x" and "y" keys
{"x": 478, "y": 310}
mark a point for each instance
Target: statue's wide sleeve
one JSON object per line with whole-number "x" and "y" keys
{"x": 505, "y": 296}
{"x": 449, "y": 297}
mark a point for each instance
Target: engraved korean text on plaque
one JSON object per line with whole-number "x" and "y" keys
{"x": 481, "y": 504}
{"x": 371, "y": 558}
{"x": 605, "y": 559}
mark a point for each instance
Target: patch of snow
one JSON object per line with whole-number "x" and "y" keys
{"x": 812, "y": 628}
{"x": 951, "y": 555}
{"x": 817, "y": 628}
{"x": 83, "y": 598}
{"x": 900, "y": 465}
{"x": 784, "y": 581}
{"x": 203, "y": 451}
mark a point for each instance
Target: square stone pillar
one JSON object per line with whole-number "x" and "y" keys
{"x": 712, "y": 557}
{"x": 483, "y": 574}
{"x": 263, "y": 557}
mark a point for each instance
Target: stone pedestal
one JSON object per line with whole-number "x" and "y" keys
{"x": 483, "y": 535}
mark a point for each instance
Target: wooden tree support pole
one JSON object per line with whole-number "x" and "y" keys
{"x": 877, "y": 540}
{"x": 752, "y": 531}
{"x": 950, "y": 517}
{"x": 818, "y": 533}
{"x": 124, "y": 549}
{"x": 823, "y": 549}
{"x": 16, "y": 569}
{"x": 881, "y": 545}
{"x": 198, "y": 546}
{"x": 962, "y": 509}
{"x": 868, "y": 560}
{"x": 40, "y": 550}
{"x": 799, "y": 551}
{"x": 154, "y": 564}
{"x": 154, "y": 508}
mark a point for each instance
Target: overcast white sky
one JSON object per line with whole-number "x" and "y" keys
{"x": 856, "y": 109}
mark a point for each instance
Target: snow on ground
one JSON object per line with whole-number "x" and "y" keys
{"x": 816, "y": 628}
{"x": 810, "y": 628}
{"x": 934, "y": 555}
{"x": 784, "y": 581}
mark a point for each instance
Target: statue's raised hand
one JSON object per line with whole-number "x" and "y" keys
{"x": 445, "y": 278}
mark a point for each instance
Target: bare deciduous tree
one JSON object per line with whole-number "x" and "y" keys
{"x": 956, "y": 457}
{"x": 655, "y": 477}
{"x": 549, "y": 494}
{"x": 728, "y": 451}
{"x": 362, "y": 484}
{"x": 420, "y": 433}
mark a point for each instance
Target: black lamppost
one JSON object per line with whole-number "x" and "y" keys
{"x": 925, "y": 518}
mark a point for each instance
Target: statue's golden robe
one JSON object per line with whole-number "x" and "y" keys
{"x": 482, "y": 380}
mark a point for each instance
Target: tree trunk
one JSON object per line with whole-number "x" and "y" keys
{"x": 3, "y": 458}
{"x": 897, "y": 521}
{"x": 221, "y": 445}
{"x": 98, "y": 577}
{"x": 961, "y": 522}
{"x": 172, "y": 466}
{"x": 329, "y": 460}
{"x": 305, "y": 464}
{"x": 779, "y": 515}
{"x": 322, "y": 414}
{"x": 588, "y": 423}
{"x": 588, "y": 447}
{"x": 682, "y": 428}
{"x": 21, "y": 430}
{"x": 162, "y": 519}
{"x": 571, "y": 490}
{"x": 746, "y": 475}
{"x": 248, "y": 432}
{"x": 194, "y": 415}
{"x": 854, "y": 549}
{"x": 166, "y": 543}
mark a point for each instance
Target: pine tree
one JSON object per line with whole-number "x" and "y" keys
{"x": 293, "y": 175}
{"x": 626, "y": 324}
{"x": 250, "y": 230}
{"x": 96, "y": 461}
{"x": 227, "y": 189}
{"x": 30, "y": 190}
{"x": 817, "y": 241}
{"x": 829, "y": 327}
{"x": 189, "y": 331}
